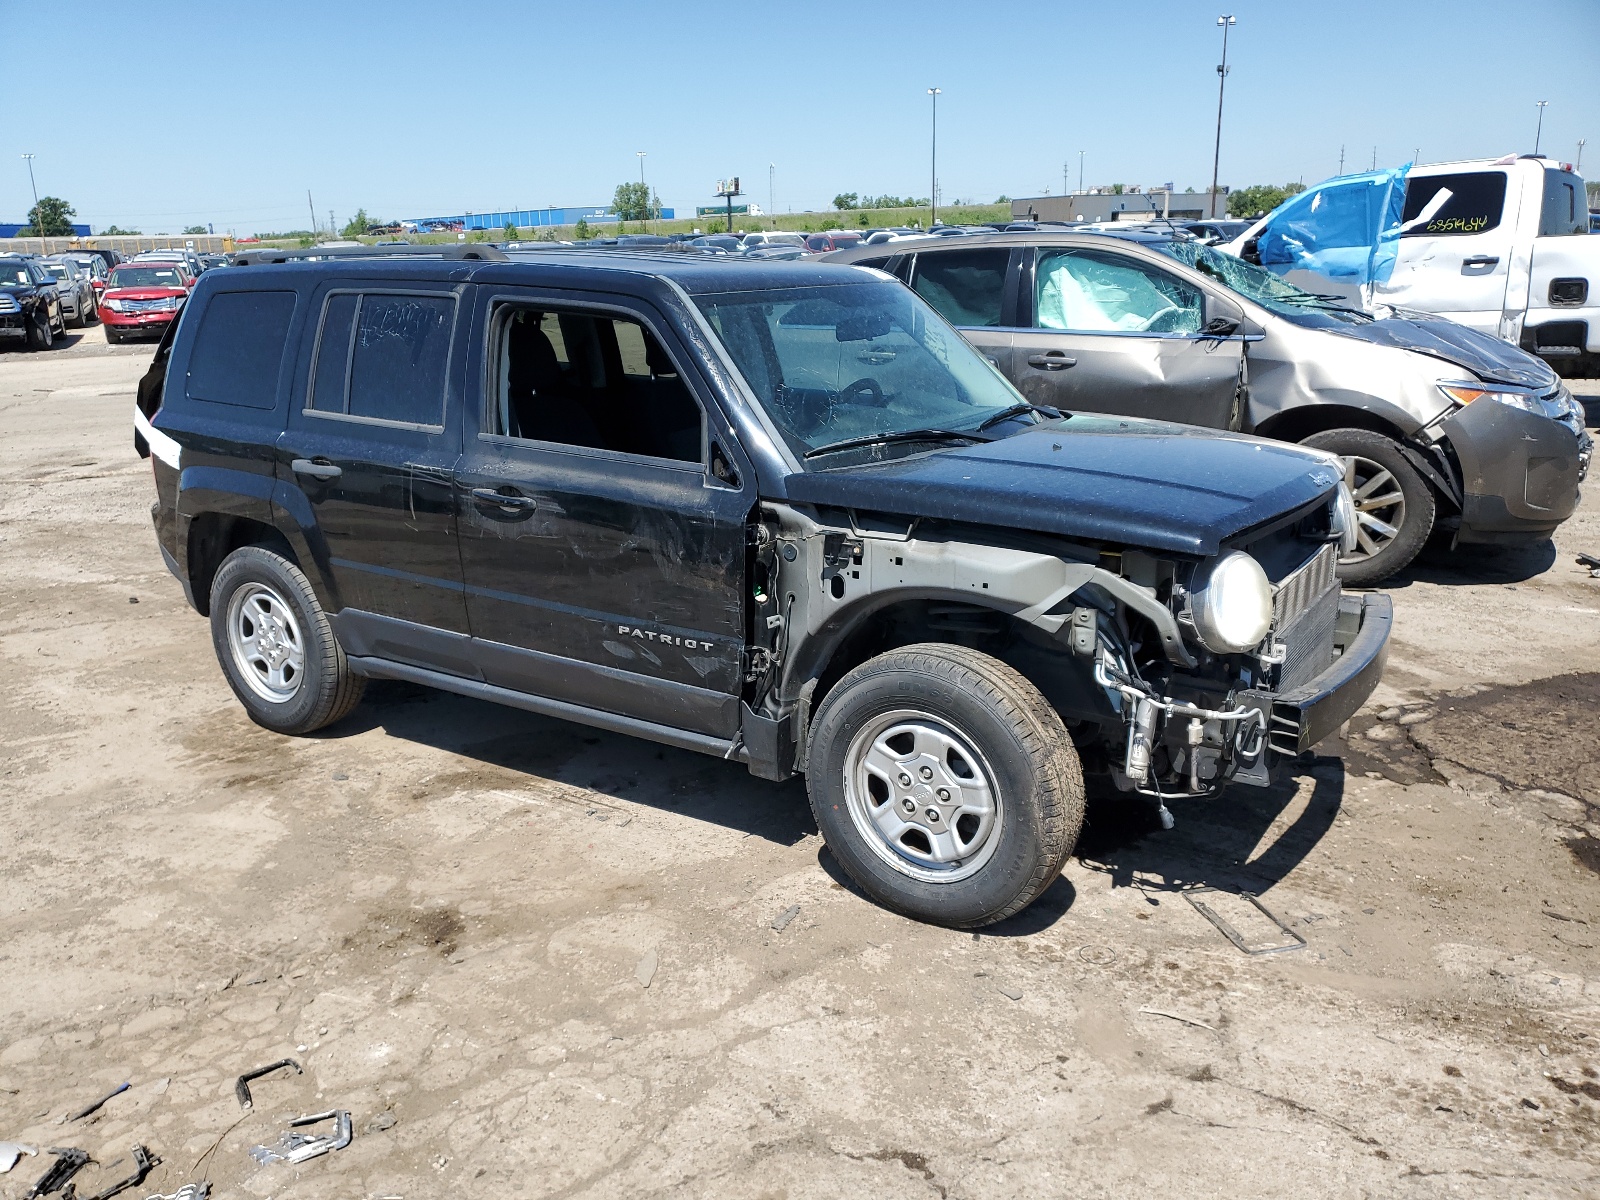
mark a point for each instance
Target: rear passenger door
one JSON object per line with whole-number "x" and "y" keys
{"x": 603, "y": 512}
{"x": 970, "y": 289}
{"x": 367, "y": 460}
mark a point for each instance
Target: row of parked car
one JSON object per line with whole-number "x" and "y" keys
{"x": 41, "y": 296}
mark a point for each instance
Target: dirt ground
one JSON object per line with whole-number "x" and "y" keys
{"x": 538, "y": 961}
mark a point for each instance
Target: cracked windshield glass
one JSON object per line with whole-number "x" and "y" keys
{"x": 840, "y": 363}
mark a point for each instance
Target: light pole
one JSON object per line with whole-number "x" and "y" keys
{"x": 1577, "y": 167}
{"x": 1539, "y": 132}
{"x": 35, "y": 188}
{"x": 1227, "y": 22}
{"x": 772, "y": 203}
{"x": 644, "y": 190}
{"x": 933, "y": 192}
{"x": 1080, "y": 172}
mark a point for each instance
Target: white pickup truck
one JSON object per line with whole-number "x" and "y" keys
{"x": 1500, "y": 245}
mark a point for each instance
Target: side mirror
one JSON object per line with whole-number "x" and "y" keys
{"x": 1221, "y": 327}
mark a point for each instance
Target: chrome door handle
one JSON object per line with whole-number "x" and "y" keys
{"x": 1055, "y": 360}
{"x": 314, "y": 468}
{"x": 1479, "y": 263}
{"x": 509, "y": 502}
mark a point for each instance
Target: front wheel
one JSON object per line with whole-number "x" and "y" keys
{"x": 1394, "y": 504}
{"x": 276, "y": 646}
{"x": 113, "y": 336}
{"x": 40, "y": 334}
{"x": 944, "y": 784}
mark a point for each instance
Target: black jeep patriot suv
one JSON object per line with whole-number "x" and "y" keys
{"x": 778, "y": 512}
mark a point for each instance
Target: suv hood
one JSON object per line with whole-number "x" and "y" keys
{"x": 1139, "y": 483}
{"x": 1490, "y": 359}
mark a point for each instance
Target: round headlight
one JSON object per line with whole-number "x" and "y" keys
{"x": 1231, "y": 604}
{"x": 1344, "y": 519}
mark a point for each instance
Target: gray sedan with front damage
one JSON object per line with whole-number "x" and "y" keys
{"x": 1439, "y": 428}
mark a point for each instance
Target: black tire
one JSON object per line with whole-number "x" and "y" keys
{"x": 80, "y": 316}
{"x": 40, "y": 335}
{"x": 260, "y": 589}
{"x": 113, "y": 338}
{"x": 1367, "y": 455}
{"x": 1021, "y": 748}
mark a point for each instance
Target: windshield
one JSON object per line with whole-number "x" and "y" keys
{"x": 851, "y": 360}
{"x": 1260, "y": 285}
{"x": 13, "y": 273}
{"x": 132, "y": 277}
{"x": 55, "y": 270}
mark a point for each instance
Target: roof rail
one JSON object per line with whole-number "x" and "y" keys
{"x": 455, "y": 252}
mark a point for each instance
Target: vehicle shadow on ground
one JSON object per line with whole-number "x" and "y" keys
{"x": 1213, "y": 842}
{"x": 1474, "y": 564}
{"x": 629, "y": 770}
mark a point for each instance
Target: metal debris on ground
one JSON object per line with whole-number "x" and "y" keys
{"x": 781, "y": 921}
{"x": 1593, "y": 563}
{"x": 143, "y": 1163}
{"x": 189, "y": 1191}
{"x": 1010, "y": 993}
{"x": 1156, "y": 1012}
{"x": 1232, "y": 934}
{"x": 241, "y": 1086}
{"x": 297, "y": 1148}
{"x": 12, "y": 1152}
{"x": 96, "y": 1106}
{"x": 68, "y": 1163}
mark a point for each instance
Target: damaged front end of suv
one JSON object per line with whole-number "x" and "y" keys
{"x": 1174, "y": 674}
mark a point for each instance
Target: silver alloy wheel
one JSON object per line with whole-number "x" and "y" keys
{"x": 266, "y": 643}
{"x": 1380, "y": 506}
{"x": 922, "y": 797}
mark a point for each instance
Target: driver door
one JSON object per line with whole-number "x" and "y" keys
{"x": 1109, "y": 332}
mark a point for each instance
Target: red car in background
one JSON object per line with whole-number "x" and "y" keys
{"x": 834, "y": 239}
{"x": 142, "y": 296}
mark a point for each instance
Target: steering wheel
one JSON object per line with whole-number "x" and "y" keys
{"x": 1153, "y": 324}
{"x": 865, "y": 389}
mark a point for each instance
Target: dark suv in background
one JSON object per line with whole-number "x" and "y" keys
{"x": 776, "y": 512}
{"x": 31, "y": 311}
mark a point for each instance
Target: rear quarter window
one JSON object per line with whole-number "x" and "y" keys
{"x": 1476, "y": 201}
{"x": 237, "y": 357}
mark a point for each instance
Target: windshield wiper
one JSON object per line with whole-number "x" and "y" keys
{"x": 904, "y": 435}
{"x": 1016, "y": 410}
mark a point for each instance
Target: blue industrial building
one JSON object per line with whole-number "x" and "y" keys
{"x": 523, "y": 218}
{"x": 11, "y": 231}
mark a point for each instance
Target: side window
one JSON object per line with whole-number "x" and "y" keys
{"x": 238, "y": 349}
{"x": 383, "y": 357}
{"x": 1563, "y": 213}
{"x": 582, "y": 378}
{"x": 964, "y": 286}
{"x": 1088, "y": 291}
{"x": 1474, "y": 203}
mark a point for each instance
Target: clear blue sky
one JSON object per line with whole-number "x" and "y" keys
{"x": 227, "y": 112}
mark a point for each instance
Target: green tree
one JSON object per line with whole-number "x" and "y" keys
{"x": 1116, "y": 189}
{"x": 50, "y": 218}
{"x": 635, "y": 202}
{"x": 581, "y": 231}
{"x": 1003, "y": 200}
{"x": 511, "y": 231}
{"x": 118, "y": 231}
{"x": 195, "y": 229}
{"x": 846, "y": 200}
{"x": 1260, "y": 198}
{"x": 357, "y": 226}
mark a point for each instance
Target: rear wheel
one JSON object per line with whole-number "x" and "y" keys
{"x": 1394, "y": 504}
{"x": 276, "y": 646}
{"x": 944, "y": 784}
